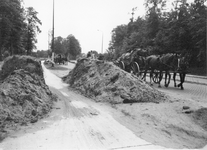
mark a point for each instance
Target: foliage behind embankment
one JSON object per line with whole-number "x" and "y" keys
{"x": 181, "y": 29}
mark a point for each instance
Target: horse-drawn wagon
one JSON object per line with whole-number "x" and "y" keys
{"x": 60, "y": 59}
{"x": 133, "y": 61}
{"x": 156, "y": 65}
{"x": 169, "y": 64}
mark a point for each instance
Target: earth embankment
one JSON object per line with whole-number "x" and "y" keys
{"x": 104, "y": 81}
{"x": 24, "y": 96}
{"x": 163, "y": 121}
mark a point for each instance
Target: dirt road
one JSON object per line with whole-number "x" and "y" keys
{"x": 75, "y": 123}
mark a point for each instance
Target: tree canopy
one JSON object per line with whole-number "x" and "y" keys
{"x": 18, "y": 27}
{"x": 69, "y": 46}
{"x": 182, "y": 29}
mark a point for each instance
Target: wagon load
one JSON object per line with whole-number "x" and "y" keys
{"x": 105, "y": 82}
{"x": 141, "y": 52}
{"x": 24, "y": 96}
{"x": 126, "y": 58}
{"x": 133, "y": 61}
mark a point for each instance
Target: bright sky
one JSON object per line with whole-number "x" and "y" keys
{"x": 87, "y": 20}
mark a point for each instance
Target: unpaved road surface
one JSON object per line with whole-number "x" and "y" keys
{"x": 75, "y": 123}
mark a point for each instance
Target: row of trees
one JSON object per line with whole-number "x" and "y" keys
{"x": 18, "y": 28}
{"x": 179, "y": 30}
{"x": 41, "y": 54}
{"x": 69, "y": 46}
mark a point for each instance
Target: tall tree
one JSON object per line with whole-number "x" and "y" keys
{"x": 18, "y": 27}
{"x": 58, "y": 45}
{"x": 179, "y": 30}
{"x": 73, "y": 46}
{"x": 119, "y": 36}
{"x": 11, "y": 26}
{"x": 70, "y": 46}
{"x": 154, "y": 11}
{"x": 138, "y": 36}
{"x": 32, "y": 29}
{"x": 197, "y": 27}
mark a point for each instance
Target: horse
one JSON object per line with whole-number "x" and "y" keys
{"x": 163, "y": 64}
{"x": 168, "y": 62}
{"x": 183, "y": 65}
{"x": 152, "y": 63}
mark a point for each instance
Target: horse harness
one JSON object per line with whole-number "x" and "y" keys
{"x": 171, "y": 66}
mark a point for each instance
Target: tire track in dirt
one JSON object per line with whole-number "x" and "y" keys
{"x": 99, "y": 127}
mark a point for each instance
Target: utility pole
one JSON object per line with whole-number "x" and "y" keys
{"x": 53, "y": 21}
{"x": 102, "y": 44}
{"x": 49, "y": 38}
{"x": 102, "y": 37}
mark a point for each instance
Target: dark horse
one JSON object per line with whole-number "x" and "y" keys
{"x": 169, "y": 62}
{"x": 183, "y": 65}
{"x": 161, "y": 64}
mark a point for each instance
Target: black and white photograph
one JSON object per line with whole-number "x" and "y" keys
{"x": 103, "y": 74}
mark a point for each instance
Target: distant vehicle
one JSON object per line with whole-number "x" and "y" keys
{"x": 60, "y": 59}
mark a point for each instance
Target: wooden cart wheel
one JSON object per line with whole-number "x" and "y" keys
{"x": 156, "y": 76}
{"x": 121, "y": 65}
{"x": 135, "y": 68}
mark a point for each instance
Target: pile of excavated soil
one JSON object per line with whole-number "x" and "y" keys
{"x": 104, "y": 81}
{"x": 200, "y": 117}
{"x": 21, "y": 62}
{"x": 24, "y": 96}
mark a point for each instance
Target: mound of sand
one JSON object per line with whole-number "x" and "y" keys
{"x": 24, "y": 96}
{"x": 103, "y": 81}
{"x": 200, "y": 117}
